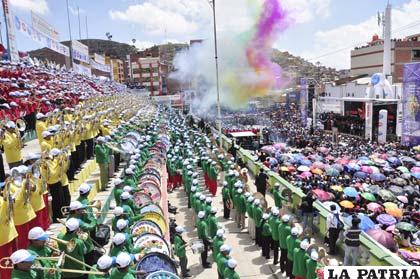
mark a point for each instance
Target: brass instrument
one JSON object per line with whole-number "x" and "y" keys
{"x": 7, "y": 197}
{"x": 21, "y": 125}
{"x": 29, "y": 187}
{"x": 65, "y": 210}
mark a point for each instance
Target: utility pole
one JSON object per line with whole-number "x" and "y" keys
{"x": 70, "y": 45}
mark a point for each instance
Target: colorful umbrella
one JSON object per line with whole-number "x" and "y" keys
{"x": 404, "y": 226}
{"x": 415, "y": 169}
{"x": 269, "y": 149}
{"x": 321, "y": 194}
{"x": 374, "y": 169}
{"x": 365, "y": 162}
{"x": 368, "y": 196}
{"x": 338, "y": 167}
{"x": 323, "y": 150}
{"x": 402, "y": 199}
{"x": 303, "y": 168}
{"x": 408, "y": 175}
{"x": 386, "y": 219}
{"x": 350, "y": 192}
{"x": 306, "y": 174}
{"x": 284, "y": 168}
{"x": 342, "y": 161}
{"x": 365, "y": 223}
{"x": 329, "y": 203}
{"x": 386, "y": 195}
{"x": 395, "y": 212}
{"x": 374, "y": 189}
{"x": 317, "y": 171}
{"x": 409, "y": 190}
{"x": 383, "y": 237}
{"x": 353, "y": 166}
{"x": 396, "y": 190}
{"x": 347, "y": 204}
{"x": 378, "y": 177}
{"x": 394, "y": 161}
{"x": 332, "y": 172}
{"x": 318, "y": 165}
{"x": 390, "y": 205}
{"x": 305, "y": 162}
{"x": 408, "y": 255}
{"x": 374, "y": 207}
{"x": 399, "y": 181}
{"x": 330, "y": 158}
{"x": 291, "y": 168}
{"x": 336, "y": 188}
{"x": 361, "y": 175}
{"x": 366, "y": 169}
{"x": 416, "y": 175}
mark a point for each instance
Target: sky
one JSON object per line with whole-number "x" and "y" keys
{"x": 319, "y": 30}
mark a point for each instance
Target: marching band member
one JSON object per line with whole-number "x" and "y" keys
{"x": 102, "y": 158}
{"x": 12, "y": 144}
{"x": 104, "y": 265}
{"x": 122, "y": 270}
{"x": 22, "y": 265}
{"x": 40, "y": 126}
{"x": 47, "y": 142}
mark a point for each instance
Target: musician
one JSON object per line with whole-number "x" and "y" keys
{"x": 47, "y": 143}
{"x": 102, "y": 158}
{"x": 212, "y": 222}
{"x": 128, "y": 204}
{"x": 40, "y": 126}
{"x": 22, "y": 265}
{"x": 129, "y": 178}
{"x": 104, "y": 265}
{"x": 222, "y": 259}
{"x": 122, "y": 270}
{"x": 52, "y": 172}
{"x": 64, "y": 164}
{"x": 180, "y": 246}
{"x": 230, "y": 270}
{"x": 227, "y": 201}
{"x": 12, "y": 145}
{"x": 204, "y": 236}
{"x": 88, "y": 137}
{"x": 121, "y": 243}
{"x": 38, "y": 247}
{"x": 78, "y": 252}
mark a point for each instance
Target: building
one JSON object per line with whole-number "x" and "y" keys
{"x": 117, "y": 68}
{"x": 369, "y": 59}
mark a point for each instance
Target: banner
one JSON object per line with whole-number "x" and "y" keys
{"x": 410, "y": 105}
{"x": 11, "y": 38}
{"x": 80, "y": 69}
{"x": 41, "y": 25}
{"x": 368, "y": 120}
{"x": 80, "y": 51}
{"x": 303, "y": 99}
{"x": 382, "y": 125}
{"x": 41, "y": 38}
{"x": 99, "y": 58}
{"x": 100, "y": 67}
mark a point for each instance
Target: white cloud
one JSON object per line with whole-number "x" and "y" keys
{"x": 38, "y": 6}
{"x": 301, "y": 11}
{"x": 158, "y": 16}
{"x": 141, "y": 45}
{"x": 340, "y": 40}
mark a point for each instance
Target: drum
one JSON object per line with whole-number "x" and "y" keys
{"x": 158, "y": 219}
{"x": 154, "y": 262}
{"x": 151, "y": 208}
{"x": 150, "y": 177}
{"x": 197, "y": 246}
{"x": 162, "y": 275}
{"x": 145, "y": 226}
{"x": 150, "y": 242}
{"x": 142, "y": 199}
{"x": 151, "y": 170}
{"x": 152, "y": 190}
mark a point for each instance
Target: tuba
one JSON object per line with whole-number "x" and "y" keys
{"x": 21, "y": 125}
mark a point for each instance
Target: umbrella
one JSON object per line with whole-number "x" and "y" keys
{"x": 330, "y": 158}
{"x": 390, "y": 205}
{"x": 342, "y": 161}
{"x": 366, "y": 169}
{"x": 273, "y": 161}
{"x": 390, "y": 228}
{"x": 347, "y": 204}
{"x": 378, "y": 177}
{"x": 374, "y": 207}
{"x": 329, "y": 203}
{"x": 416, "y": 175}
{"x": 306, "y": 162}
{"x": 321, "y": 194}
{"x": 284, "y": 168}
{"x": 402, "y": 199}
{"x": 403, "y": 169}
{"x": 360, "y": 174}
{"x": 368, "y": 196}
{"x": 306, "y": 174}
{"x": 338, "y": 167}
{"x": 395, "y": 212}
{"x": 336, "y": 188}
{"x": 394, "y": 161}
{"x": 315, "y": 157}
{"x": 407, "y": 159}
{"x": 409, "y": 190}
{"x": 386, "y": 219}
{"x": 386, "y": 195}
{"x": 388, "y": 170}
{"x": 332, "y": 172}
{"x": 352, "y": 167}
{"x": 269, "y": 149}
{"x": 365, "y": 223}
{"x": 408, "y": 255}
{"x": 415, "y": 169}
{"x": 323, "y": 150}
{"x": 404, "y": 226}
{"x": 379, "y": 161}
{"x": 362, "y": 158}
{"x": 279, "y": 146}
{"x": 374, "y": 169}
{"x": 383, "y": 237}
{"x": 408, "y": 175}
{"x": 396, "y": 190}
{"x": 350, "y": 192}
{"x": 291, "y": 168}
{"x": 373, "y": 189}
{"x": 318, "y": 165}
{"x": 317, "y": 171}
{"x": 365, "y": 162}
{"x": 303, "y": 168}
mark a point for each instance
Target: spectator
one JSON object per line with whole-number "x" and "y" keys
{"x": 334, "y": 226}
{"x": 352, "y": 242}
{"x": 261, "y": 182}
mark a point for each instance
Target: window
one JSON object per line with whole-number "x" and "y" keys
{"x": 416, "y": 54}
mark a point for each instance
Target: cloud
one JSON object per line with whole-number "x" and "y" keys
{"x": 337, "y": 43}
{"x": 302, "y": 11}
{"x": 157, "y": 16}
{"x": 141, "y": 45}
{"x": 38, "y": 6}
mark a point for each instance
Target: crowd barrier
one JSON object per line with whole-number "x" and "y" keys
{"x": 372, "y": 253}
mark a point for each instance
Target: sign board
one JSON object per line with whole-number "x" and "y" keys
{"x": 41, "y": 25}
{"x": 11, "y": 38}
{"x": 37, "y": 36}
{"x": 80, "y": 51}
{"x": 411, "y": 105}
{"x": 99, "y": 58}
{"x": 100, "y": 67}
{"x": 83, "y": 70}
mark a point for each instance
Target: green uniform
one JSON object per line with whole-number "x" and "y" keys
{"x": 275, "y": 223}
{"x": 44, "y": 252}
{"x": 202, "y": 230}
{"x": 292, "y": 243}
{"x": 221, "y": 261}
{"x": 117, "y": 195}
{"x": 91, "y": 276}
{"x": 226, "y": 193}
{"x": 248, "y": 207}
{"x": 299, "y": 262}
{"x": 217, "y": 243}
{"x": 207, "y": 209}
{"x": 266, "y": 229}
{"x": 278, "y": 198}
{"x": 212, "y": 225}
{"x": 284, "y": 232}
{"x": 31, "y": 274}
{"x": 258, "y": 216}
{"x": 230, "y": 273}
{"x": 311, "y": 267}
{"x": 101, "y": 154}
{"x": 116, "y": 274}
{"x": 79, "y": 253}
{"x": 179, "y": 246}
{"x": 241, "y": 203}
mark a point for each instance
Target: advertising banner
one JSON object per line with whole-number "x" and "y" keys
{"x": 41, "y": 25}
{"x": 303, "y": 100}
{"x": 80, "y": 51}
{"x": 411, "y": 105}
{"x": 382, "y": 125}
{"x": 80, "y": 69}
{"x": 368, "y": 120}
{"x": 11, "y": 38}
{"x": 100, "y": 67}
{"x": 41, "y": 38}
{"x": 99, "y": 58}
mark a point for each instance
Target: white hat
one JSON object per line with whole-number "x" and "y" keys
{"x": 101, "y": 139}
{"x": 195, "y": 181}
{"x": 40, "y": 115}
{"x": 129, "y": 171}
{"x": 197, "y": 195}
{"x": 122, "y": 224}
{"x": 201, "y": 214}
{"x": 274, "y": 208}
{"x": 225, "y": 183}
{"x": 179, "y": 229}
{"x": 76, "y": 205}
{"x": 250, "y": 199}
{"x": 304, "y": 244}
{"x": 238, "y": 184}
{"x": 285, "y": 218}
{"x": 118, "y": 239}
{"x": 231, "y": 263}
{"x": 213, "y": 210}
{"x": 220, "y": 232}
{"x": 257, "y": 202}
{"x": 37, "y": 233}
{"x": 84, "y": 188}
{"x": 193, "y": 189}
{"x": 33, "y": 156}
{"x": 104, "y": 262}
{"x": 276, "y": 212}
{"x": 46, "y": 134}
{"x": 209, "y": 200}
{"x": 72, "y": 224}
{"x": 225, "y": 248}
{"x": 239, "y": 191}
{"x": 10, "y": 124}
{"x": 314, "y": 255}
{"x": 21, "y": 256}
{"x": 118, "y": 211}
{"x": 118, "y": 181}
{"x": 247, "y": 194}
{"x": 202, "y": 197}
{"x": 125, "y": 196}
{"x": 123, "y": 260}
{"x": 55, "y": 151}
{"x": 127, "y": 189}
{"x": 295, "y": 231}
{"x": 265, "y": 216}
